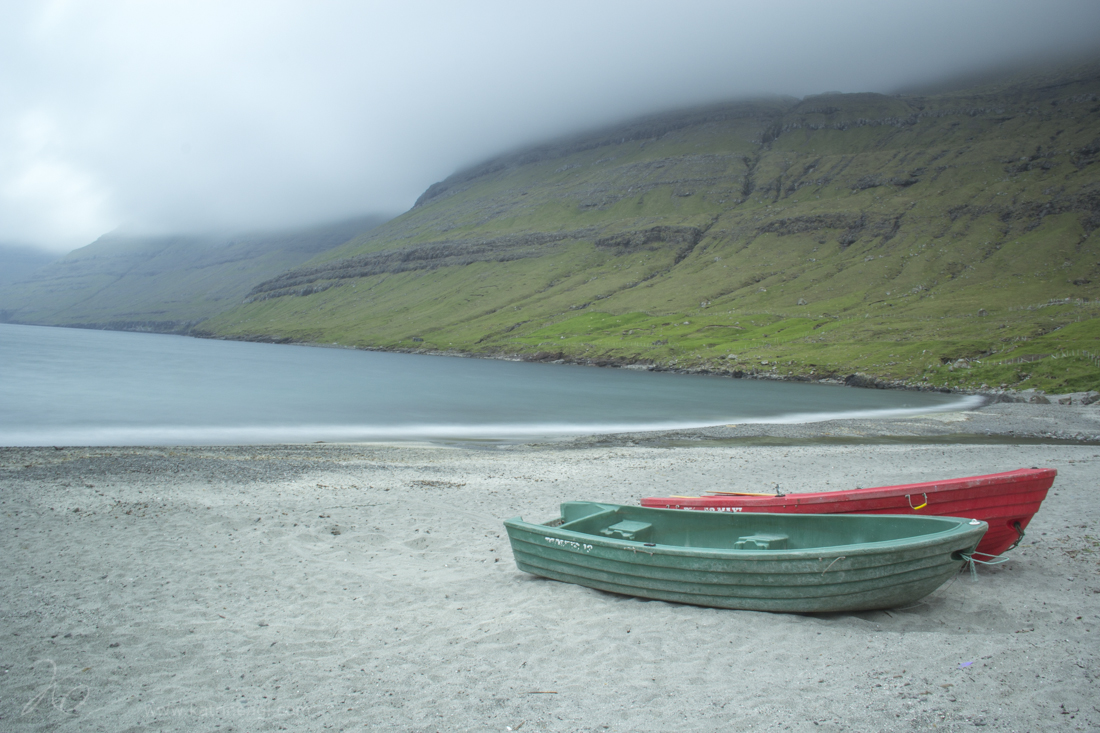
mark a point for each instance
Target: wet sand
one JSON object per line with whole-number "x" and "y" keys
{"x": 371, "y": 587}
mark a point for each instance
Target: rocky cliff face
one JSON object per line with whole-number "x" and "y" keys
{"x": 163, "y": 284}
{"x": 429, "y": 256}
{"x": 733, "y": 156}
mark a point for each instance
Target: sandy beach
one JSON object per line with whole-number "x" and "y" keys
{"x": 371, "y": 587}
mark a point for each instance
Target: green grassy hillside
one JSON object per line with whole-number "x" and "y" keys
{"x": 947, "y": 240}
{"x": 165, "y": 284}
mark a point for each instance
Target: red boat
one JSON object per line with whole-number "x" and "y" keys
{"x": 1006, "y": 501}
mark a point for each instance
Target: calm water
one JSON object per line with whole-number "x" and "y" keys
{"x": 61, "y": 386}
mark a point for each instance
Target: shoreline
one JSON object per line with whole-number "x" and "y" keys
{"x": 987, "y": 423}
{"x": 1002, "y": 421}
{"x": 859, "y": 380}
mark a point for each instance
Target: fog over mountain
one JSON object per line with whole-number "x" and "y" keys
{"x": 19, "y": 261}
{"x": 193, "y": 116}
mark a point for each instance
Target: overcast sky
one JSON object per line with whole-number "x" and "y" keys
{"x": 189, "y": 116}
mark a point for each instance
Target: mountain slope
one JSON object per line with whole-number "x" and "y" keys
{"x": 165, "y": 284}
{"x": 18, "y": 262}
{"x": 945, "y": 240}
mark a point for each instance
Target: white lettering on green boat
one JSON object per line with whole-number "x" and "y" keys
{"x": 568, "y": 543}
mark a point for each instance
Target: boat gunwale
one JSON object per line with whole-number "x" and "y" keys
{"x": 852, "y": 571}
{"x": 960, "y": 526}
{"x": 1005, "y": 480}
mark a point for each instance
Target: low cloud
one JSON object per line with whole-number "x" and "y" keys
{"x": 188, "y": 116}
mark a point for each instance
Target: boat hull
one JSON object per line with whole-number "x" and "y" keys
{"x": 898, "y": 563}
{"x": 1002, "y": 500}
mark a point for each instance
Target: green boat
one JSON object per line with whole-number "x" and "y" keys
{"x": 791, "y": 563}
